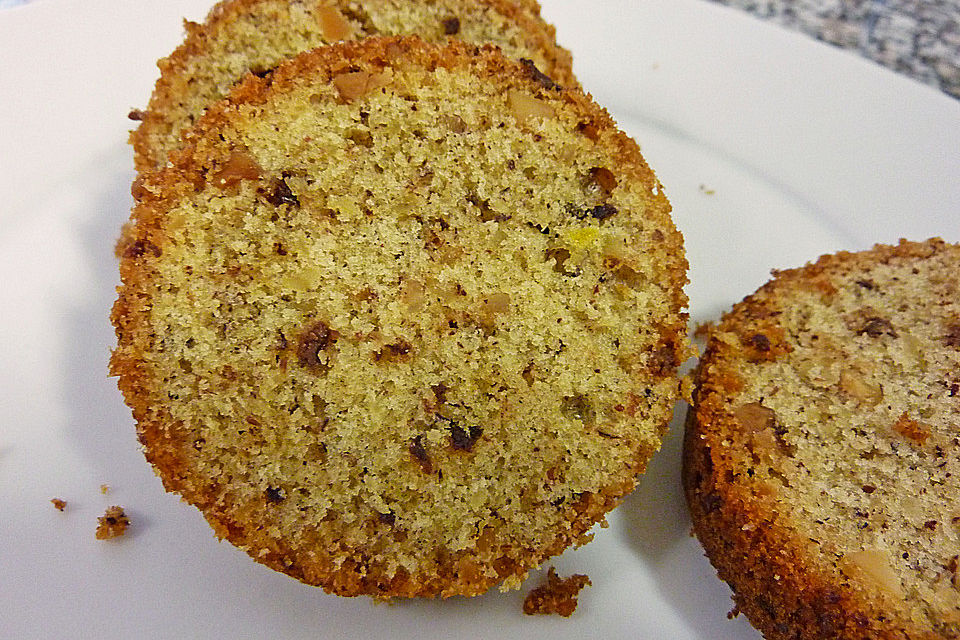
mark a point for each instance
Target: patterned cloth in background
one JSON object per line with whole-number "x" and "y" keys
{"x": 918, "y": 38}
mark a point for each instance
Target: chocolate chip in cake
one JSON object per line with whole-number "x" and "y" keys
{"x": 464, "y": 439}
{"x": 663, "y": 361}
{"x": 451, "y": 26}
{"x": 538, "y": 75}
{"x": 599, "y": 212}
{"x": 759, "y": 342}
{"x": 952, "y": 337}
{"x": 418, "y": 451}
{"x": 280, "y": 194}
{"x": 264, "y": 72}
{"x": 139, "y": 247}
{"x": 315, "y": 339}
{"x": 876, "y": 327}
{"x": 393, "y": 352}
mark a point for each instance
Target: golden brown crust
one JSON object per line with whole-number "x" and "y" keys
{"x": 161, "y": 122}
{"x": 169, "y": 444}
{"x": 787, "y": 583}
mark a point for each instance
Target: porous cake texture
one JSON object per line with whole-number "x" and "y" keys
{"x": 400, "y": 319}
{"x": 244, "y": 36}
{"x": 822, "y": 460}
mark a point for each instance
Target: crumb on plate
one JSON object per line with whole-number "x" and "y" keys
{"x": 112, "y": 524}
{"x": 558, "y": 595}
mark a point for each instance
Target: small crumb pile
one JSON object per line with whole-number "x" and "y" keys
{"x": 557, "y": 596}
{"x": 112, "y": 524}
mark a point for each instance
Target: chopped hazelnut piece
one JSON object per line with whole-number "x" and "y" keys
{"x": 355, "y": 84}
{"x": 239, "y": 166}
{"x": 525, "y": 107}
{"x": 333, "y": 25}
{"x": 497, "y": 303}
{"x": 59, "y": 504}
{"x": 873, "y": 567}
{"x": 911, "y": 429}
{"x": 754, "y": 417}
{"x": 854, "y": 384}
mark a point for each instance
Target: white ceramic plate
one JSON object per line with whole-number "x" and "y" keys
{"x": 773, "y": 149}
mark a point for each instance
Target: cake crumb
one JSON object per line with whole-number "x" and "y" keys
{"x": 558, "y": 595}
{"x": 104, "y": 489}
{"x": 59, "y": 504}
{"x": 112, "y": 524}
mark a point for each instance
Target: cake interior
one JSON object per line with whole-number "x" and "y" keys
{"x": 416, "y": 313}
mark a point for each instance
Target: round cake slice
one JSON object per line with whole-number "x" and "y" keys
{"x": 822, "y": 460}
{"x": 402, "y": 319}
{"x": 244, "y": 36}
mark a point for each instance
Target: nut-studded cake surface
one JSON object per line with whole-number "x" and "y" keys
{"x": 822, "y": 460}
{"x": 400, "y": 319}
{"x": 253, "y": 36}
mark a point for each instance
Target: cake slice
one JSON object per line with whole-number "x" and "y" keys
{"x": 244, "y": 36}
{"x": 402, "y": 319}
{"x": 822, "y": 461}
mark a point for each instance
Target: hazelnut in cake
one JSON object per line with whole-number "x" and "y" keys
{"x": 402, "y": 319}
{"x": 822, "y": 460}
{"x": 244, "y": 36}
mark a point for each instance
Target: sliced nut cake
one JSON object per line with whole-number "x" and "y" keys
{"x": 822, "y": 461}
{"x": 243, "y": 36}
{"x": 401, "y": 319}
